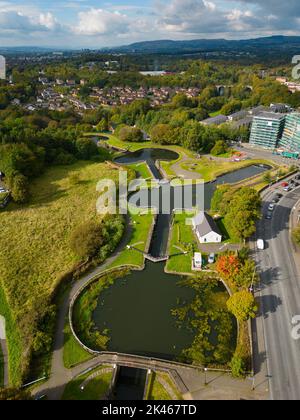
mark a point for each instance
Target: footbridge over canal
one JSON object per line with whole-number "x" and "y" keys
{"x": 151, "y": 258}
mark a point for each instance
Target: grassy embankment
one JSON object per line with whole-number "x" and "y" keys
{"x": 35, "y": 253}
{"x": 94, "y": 390}
{"x": 157, "y": 392}
{"x": 182, "y": 240}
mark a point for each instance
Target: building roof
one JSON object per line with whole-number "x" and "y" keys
{"x": 270, "y": 116}
{"x": 205, "y": 224}
{"x": 219, "y": 119}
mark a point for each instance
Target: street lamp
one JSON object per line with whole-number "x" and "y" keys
{"x": 205, "y": 376}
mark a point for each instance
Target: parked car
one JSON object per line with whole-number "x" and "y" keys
{"x": 269, "y": 215}
{"x": 288, "y": 188}
{"x": 271, "y": 207}
{"x": 261, "y": 244}
{"x": 285, "y": 184}
{"x": 297, "y": 177}
{"x": 211, "y": 259}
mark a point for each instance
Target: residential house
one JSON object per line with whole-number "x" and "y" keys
{"x": 206, "y": 229}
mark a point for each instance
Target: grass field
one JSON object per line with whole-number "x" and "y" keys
{"x": 93, "y": 391}
{"x": 141, "y": 226}
{"x": 182, "y": 239}
{"x": 74, "y": 354}
{"x": 35, "y": 252}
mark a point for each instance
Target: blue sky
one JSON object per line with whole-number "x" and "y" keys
{"x": 99, "y": 23}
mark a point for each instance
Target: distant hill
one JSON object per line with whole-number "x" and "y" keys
{"x": 275, "y": 43}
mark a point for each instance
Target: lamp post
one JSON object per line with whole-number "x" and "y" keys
{"x": 205, "y": 376}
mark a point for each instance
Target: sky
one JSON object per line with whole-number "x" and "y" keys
{"x": 97, "y": 23}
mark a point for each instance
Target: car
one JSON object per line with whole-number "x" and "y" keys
{"x": 269, "y": 215}
{"x": 211, "y": 259}
{"x": 285, "y": 184}
{"x": 271, "y": 207}
{"x": 260, "y": 244}
{"x": 276, "y": 198}
{"x": 288, "y": 188}
{"x": 297, "y": 177}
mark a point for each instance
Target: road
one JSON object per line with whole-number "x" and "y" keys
{"x": 279, "y": 297}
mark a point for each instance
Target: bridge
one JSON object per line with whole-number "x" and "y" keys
{"x": 150, "y": 257}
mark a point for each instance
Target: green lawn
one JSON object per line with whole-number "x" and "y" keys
{"x": 215, "y": 114}
{"x": 182, "y": 239}
{"x": 157, "y": 392}
{"x": 141, "y": 225}
{"x": 74, "y": 354}
{"x": 142, "y": 170}
{"x": 95, "y": 390}
{"x": 210, "y": 169}
{"x": 35, "y": 251}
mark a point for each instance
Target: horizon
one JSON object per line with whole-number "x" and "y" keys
{"x": 53, "y": 47}
{"x": 97, "y": 24}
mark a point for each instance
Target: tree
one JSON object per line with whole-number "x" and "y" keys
{"x": 86, "y": 148}
{"x": 242, "y": 305}
{"x": 246, "y": 275}
{"x": 87, "y": 240}
{"x": 131, "y": 134}
{"x": 162, "y": 134}
{"x": 220, "y": 148}
{"x": 14, "y": 394}
{"x": 228, "y": 266}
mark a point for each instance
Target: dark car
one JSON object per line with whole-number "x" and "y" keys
{"x": 269, "y": 215}
{"x": 297, "y": 177}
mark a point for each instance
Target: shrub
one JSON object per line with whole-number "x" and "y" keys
{"x": 87, "y": 239}
{"x": 242, "y": 305}
{"x": 19, "y": 188}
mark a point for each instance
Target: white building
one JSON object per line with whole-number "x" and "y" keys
{"x": 206, "y": 229}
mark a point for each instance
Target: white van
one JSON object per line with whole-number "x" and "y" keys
{"x": 261, "y": 244}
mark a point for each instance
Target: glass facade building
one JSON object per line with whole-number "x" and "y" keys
{"x": 291, "y": 135}
{"x": 267, "y": 129}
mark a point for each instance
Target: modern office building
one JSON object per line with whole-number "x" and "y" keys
{"x": 267, "y": 129}
{"x": 291, "y": 135}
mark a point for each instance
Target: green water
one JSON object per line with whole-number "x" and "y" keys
{"x": 137, "y": 312}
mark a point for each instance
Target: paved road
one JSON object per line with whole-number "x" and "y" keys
{"x": 279, "y": 299}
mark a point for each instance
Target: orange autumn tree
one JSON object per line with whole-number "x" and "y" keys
{"x": 228, "y": 266}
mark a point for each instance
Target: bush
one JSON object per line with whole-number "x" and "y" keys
{"x": 19, "y": 189}
{"x": 220, "y": 148}
{"x": 238, "y": 367}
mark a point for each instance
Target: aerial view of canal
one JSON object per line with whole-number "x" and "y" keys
{"x": 138, "y": 309}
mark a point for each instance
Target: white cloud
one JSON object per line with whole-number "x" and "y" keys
{"x": 102, "y": 22}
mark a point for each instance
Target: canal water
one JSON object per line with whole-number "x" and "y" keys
{"x": 130, "y": 384}
{"x": 137, "y": 309}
